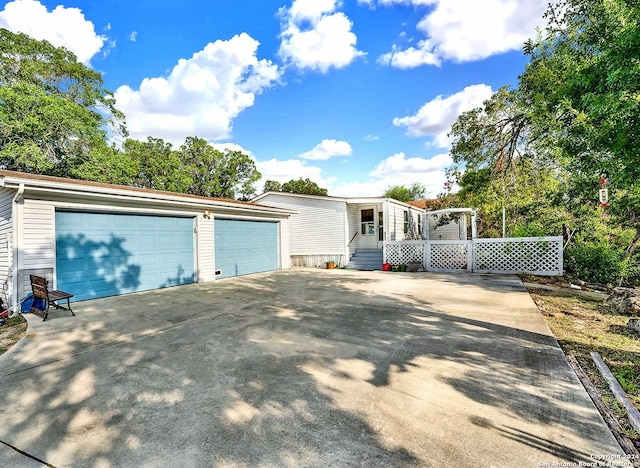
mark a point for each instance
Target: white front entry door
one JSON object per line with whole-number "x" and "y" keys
{"x": 368, "y": 228}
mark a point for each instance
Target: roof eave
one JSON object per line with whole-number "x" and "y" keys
{"x": 150, "y": 196}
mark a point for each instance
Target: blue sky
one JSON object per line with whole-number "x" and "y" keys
{"x": 357, "y": 95}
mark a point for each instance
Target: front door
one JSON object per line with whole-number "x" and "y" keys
{"x": 368, "y": 228}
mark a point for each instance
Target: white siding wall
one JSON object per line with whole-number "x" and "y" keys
{"x": 36, "y": 250}
{"x": 205, "y": 250}
{"x": 353, "y": 217}
{"x": 450, "y": 231}
{"x": 319, "y": 226}
{"x": 285, "y": 244}
{"x": 396, "y": 222}
{"x": 6, "y": 242}
{"x": 416, "y": 219}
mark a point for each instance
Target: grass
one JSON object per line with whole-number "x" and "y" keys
{"x": 584, "y": 324}
{"x": 11, "y": 332}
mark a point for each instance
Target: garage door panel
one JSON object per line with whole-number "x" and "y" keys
{"x": 101, "y": 254}
{"x": 245, "y": 247}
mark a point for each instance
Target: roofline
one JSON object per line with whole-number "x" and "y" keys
{"x": 348, "y": 200}
{"x": 452, "y": 210}
{"x": 299, "y": 195}
{"x": 41, "y": 183}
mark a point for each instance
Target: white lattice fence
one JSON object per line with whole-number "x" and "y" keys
{"x": 448, "y": 256}
{"x": 534, "y": 255}
{"x": 396, "y": 253}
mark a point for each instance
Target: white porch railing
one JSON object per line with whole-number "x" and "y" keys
{"x": 533, "y": 255}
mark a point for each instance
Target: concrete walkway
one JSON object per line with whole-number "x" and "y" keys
{"x": 300, "y": 368}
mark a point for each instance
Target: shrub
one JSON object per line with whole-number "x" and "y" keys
{"x": 596, "y": 262}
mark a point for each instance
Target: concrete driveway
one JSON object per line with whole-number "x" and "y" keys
{"x": 300, "y": 368}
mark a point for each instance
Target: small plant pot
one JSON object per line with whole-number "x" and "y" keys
{"x": 413, "y": 266}
{"x": 330, "y": 265}
{"x": 386, "y": 267}
{"x": 403, "y": 267}
{"x": 395, "y": 267}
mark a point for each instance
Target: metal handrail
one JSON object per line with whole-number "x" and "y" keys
{"x": 354, "y": 236}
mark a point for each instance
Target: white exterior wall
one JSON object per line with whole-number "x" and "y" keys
{"x": 450, "y": 231}
{"x": 353, "y": 226}
{"x": 6, "y": 243}
{"x": 205, "y": 250}
{"x": 36, "y": 248}
{"x": 318, "y": 230}
{"x": 285, "y": 244}
{"x": 35, "y": 233}
{"x": 396, "y": 222}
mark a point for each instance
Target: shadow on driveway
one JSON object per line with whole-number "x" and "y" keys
{"x": 300, "y": 368}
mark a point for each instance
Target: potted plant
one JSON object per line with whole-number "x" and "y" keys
{"x": 330, "y": 265}
{"x": 414, "y": 265}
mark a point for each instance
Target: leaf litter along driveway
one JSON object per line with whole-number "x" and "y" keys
{"x": 300, "y": 368}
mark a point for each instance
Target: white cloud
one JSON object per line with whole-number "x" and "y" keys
{"x": 399, "y": 166}
{"x": 133, "y": 37}
{"x": 328, "y": 149}
{"x": 370, "y": 137}
{"x": 394, "y": 170}
{"x": 302, "y": 10}
{"x": 369, "y": 188}
{"x": 436, "y": 116}
{"x": 62, "y": 27}
{"x": 399, "y": 170}
{"x": 201, "y": 96}
{"x": 317, "y": 37}
{"x": 411, "y": 57}
{"x": 286, "y": 170}
{"x": 466, "y": 30}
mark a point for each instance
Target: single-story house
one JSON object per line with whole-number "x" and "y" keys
{"x": 96, "y": 240}
{"x": 348, "y": 231}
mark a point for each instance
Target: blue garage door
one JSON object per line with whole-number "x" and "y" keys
{"x": 100, "y": 254}
{"x": 244, "y": 247}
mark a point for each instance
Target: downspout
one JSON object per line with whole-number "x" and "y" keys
{"x": 17, "y": 243}
{"x": 19, "y": 193}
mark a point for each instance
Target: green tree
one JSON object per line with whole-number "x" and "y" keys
{"x": 502, "y": 163}
{"x": 583, "y": 86}
{"x": 304, "y": 186}
{"x": 572, "y": 119}
{"x": 272, "y": 186}
{"x": 157, "y": 166}
{"x": 214, "y": 173}
{"x": 415, "y": 191}
{"x": 53, "y": 110}
{"x": 105, "y": 164}
{"x": 196, "y": 168}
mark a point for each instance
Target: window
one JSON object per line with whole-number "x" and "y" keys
{"x": 367, "y": 228}
{"x": 406, "y": 221}
{"x": 420, "y": 225}
{"x": 366, "y": 215}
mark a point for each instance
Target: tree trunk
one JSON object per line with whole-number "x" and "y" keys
{"x": 633, "y": 245}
